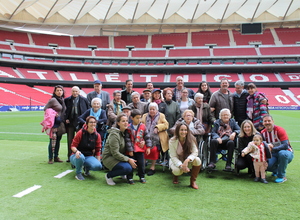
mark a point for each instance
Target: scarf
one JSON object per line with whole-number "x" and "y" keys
{"x": 199, "y": 108}
{"x": 74, "y": 112}
{"x": 151, "y": 122}
{"x": 61, "y": 101}
{"x": 117, "y": 107}
{"x": 157, "y": 101}
{"x": 95, "y": 114}
{"x": 250, "y": 106}
{"x": 179, "y": 151}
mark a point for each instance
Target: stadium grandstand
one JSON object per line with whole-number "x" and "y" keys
{"x": 43, "y": 44}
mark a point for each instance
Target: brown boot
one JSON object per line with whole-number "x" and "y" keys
{"x": 50, "y": 161}
{"x": 175, "y": 179}
{"x": 56, "y": 159}
{"x": 194, "y": 174}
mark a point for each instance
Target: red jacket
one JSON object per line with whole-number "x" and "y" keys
{"x": 136, "y": 136}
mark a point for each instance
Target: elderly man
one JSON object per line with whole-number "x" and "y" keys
{"x": 137, "y": 104}
{"x": 282, "y": 151}
{"x": 103, "y": 95}
{"x": 76, "y": 105}
{"x": 221, "y": 98}
{"x": 126, "y": 93}
{"x": 240, "y": 102}
{"x": 146, "y": 96}
{"x": 178, "y": 90}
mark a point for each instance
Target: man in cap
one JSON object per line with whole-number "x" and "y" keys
{"x": 103, "y": 95}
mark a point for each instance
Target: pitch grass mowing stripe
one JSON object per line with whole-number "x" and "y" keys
{"x": 27, "y": 191}
{"x": 63, "y": 174}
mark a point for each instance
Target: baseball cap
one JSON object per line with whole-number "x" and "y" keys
{"x": 97, "y": 81}
{"x": 155, "y": 90}
{"x": 147, "y": 90}
{"x": 126, "y": 107}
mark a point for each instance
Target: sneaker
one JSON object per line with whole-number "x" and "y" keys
{"x": 274, "y": 174}
{"x": 256, "y": 179}
{"x": 124, "y": 177}
{"x": 280, "y": 180}
{"x": 86, "y": 171}
{"x": 130, "y": 181}
{"x": 142, "y": 180}
{"x": 79, "y": 176}
{"x": 228, "y": 168}
{"x": 151, "y": 172}
{"x": 109, "y": 181}
{"x": 211, "y": 166}
{"x": 263, "y": 180}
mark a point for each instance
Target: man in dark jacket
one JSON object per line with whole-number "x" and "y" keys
{"x": 178, "y": 89}
{"x": 76, "y": 105}
{"x": 240, "y": 102}
{"x": 126, "y": 93}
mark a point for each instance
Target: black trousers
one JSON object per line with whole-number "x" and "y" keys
{"x": 140, "y": 162}
{"x": 226, "y": 145}
{"x": 245, "y": 162}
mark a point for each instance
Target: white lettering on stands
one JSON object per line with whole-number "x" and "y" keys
{"x": 259, "y": 78}
{"x": 148, "y": 77}
{"x": 74, "y": 77}
{"x": 293, "y": 76}
{"x": 39, "y": 74}
{"x": 112, "y": 77}
{"x": 282, "y": 99}
{"x": 218, "y": 78}
{"x": 2, "y": 73}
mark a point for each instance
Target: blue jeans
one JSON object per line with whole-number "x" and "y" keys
{"x": 89, "y": 162}
{"x": 56, "y": 149}
{"x": 279, "y": 161}
{"x": 122, "y": 168}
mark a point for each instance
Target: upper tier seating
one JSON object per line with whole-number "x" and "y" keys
{"x": 85, "y": 41}
{"x": 17, "y": 37}
{"x": 148, "y": 53}
{"x": 288, "y": 35}
{"x": 136, "y": 41}
{"x": 221, "y": 38}
{"x": 34, "y": 49}
{"x": 280, "y": 50}
{"x": 234, "y": 52}
{"x": 44, "y": 40}
{"x": 178, "y": 40}
{"x": 189, "y": 52}
{"x": 74, "y": 52}
{"x": 266, "y": 38}
{"x": 111, "y": 53}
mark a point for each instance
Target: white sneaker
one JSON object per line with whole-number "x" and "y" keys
{"x": 124, "y": 177}
{"x": 109, "y": 181}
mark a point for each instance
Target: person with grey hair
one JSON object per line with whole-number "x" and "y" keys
{"x": 115, "y": 107}
{"x": 240, "y": 102}
{"x": 99, "y": 93}
{"x": 177, "y": 91}
{"x": 223, "y": 136}
{"x": 76, "y": 105}
{"x": 202, "y": 112}
{"x": 98, "y": 113}
{"x": 157, "y": 126}
{"x": 136, "y": 103}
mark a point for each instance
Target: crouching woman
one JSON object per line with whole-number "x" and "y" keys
{"x": 184, "y": 154}
{"x": 86, "y": 148}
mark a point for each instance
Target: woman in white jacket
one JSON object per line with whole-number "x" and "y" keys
{"x": 184, "y": 154}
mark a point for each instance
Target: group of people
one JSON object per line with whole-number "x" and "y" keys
{"x": 122, "y": 133}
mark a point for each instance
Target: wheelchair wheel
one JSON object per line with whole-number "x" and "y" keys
{"x": 203, "y": 154}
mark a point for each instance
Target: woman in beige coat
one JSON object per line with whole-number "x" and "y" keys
{"x": 157, "y": 126}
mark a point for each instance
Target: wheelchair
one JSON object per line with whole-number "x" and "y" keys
{"x": 221, "y": 154}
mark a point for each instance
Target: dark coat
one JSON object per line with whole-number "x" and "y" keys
{"x": 240, "y": 107}
{"x": 234, "y": 127}
{"x": 83, "y": 105}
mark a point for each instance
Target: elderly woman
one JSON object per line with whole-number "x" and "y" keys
{"x": 172, "y": 107}
{"x": 202, "y": 112}
{"x": 205, "y": 90}
{"x": 157, "y": 126}
{"x": 184, "y": 154}
{"x": 223, "y": 134}
{"x": 114, "y": 157}
{"x": 194, "y": 124}
{"x": 86, "y": 149}
{"x": 115, "y": 107}
{"x": 57, "y": 104}
{"x": 185, "y": 102}
{"x": 98, "y": 113}
{"x": 157, "y": 98}
{"x": 136, "y": 103}
{"x": 246, "y": 135}
{"x": 257, "y": 106}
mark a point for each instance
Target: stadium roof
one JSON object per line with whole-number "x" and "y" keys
{"x": 118, "y": 17}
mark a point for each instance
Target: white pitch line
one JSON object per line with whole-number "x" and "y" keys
{"x": 27, "y": 191}
{"x": 63, "y": 174}
{"x": 3, "y": 132}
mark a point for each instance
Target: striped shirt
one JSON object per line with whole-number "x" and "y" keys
{"x": 275, "y": 137}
